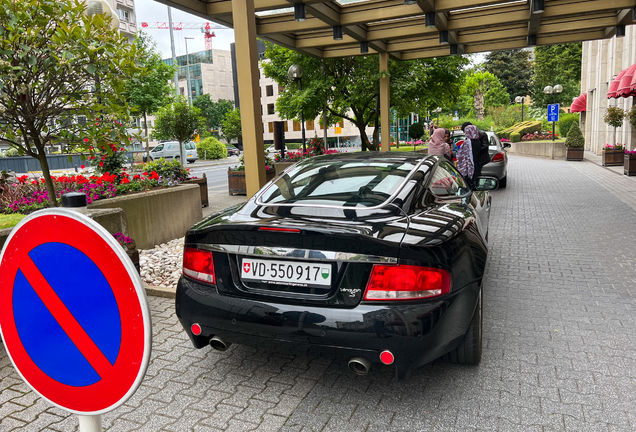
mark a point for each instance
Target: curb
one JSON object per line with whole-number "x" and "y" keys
{"x": 159, "y": 292}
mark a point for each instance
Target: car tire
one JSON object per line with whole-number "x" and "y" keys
{"x": 468, "y": 352}
{"x": 177, "y": 158}
{"x": 502, "y": 182}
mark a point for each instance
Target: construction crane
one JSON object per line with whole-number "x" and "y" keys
{"x": 205, "y": 29}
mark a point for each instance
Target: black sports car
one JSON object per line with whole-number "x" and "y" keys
{"x": 377, "y": 256}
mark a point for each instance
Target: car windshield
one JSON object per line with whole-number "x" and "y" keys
{"x": 342, "y": 183}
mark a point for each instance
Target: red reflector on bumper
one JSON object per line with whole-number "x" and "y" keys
{"x": 294, "y": 230}
{"x": 196, "y": 329}
{"x": 386, "y": 357}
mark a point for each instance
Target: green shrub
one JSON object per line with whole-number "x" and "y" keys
{"x": 531, "y": 126}
{"x": 168, "y": 170}
{"x": 515, "y": 137}
{"x": 484, "y": 124}
{"x": 12, "y": 152}
{"x": 565, "y": 123}
{"x": 505, "y": 116}
{"x": 211, "y": 148}
{"x": 575, "y": 137}
{"x": 416, "y": 131}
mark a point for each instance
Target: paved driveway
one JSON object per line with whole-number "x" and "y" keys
{"x": 560, "y": 329}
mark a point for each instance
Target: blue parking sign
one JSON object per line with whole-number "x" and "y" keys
{"x": 553, "y": 112}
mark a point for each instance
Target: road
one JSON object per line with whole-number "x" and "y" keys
{"x": 216, "y": 174}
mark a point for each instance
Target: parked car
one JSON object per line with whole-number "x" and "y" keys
{"x": 232, "y": 151}
{"x": 498, "y": 165}
{"x": 376, "y": 256}
{"x": 170, "y": 150}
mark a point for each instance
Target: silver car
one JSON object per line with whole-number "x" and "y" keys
{"x": 498, "y": 165}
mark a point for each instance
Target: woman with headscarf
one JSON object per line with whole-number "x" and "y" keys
{"x": 465, "y": 163}
{"x": 437, "y": 145}
{"x": 472, "y": 134}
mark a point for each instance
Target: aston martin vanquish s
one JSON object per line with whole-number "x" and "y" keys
{"x": 375, "y": 256}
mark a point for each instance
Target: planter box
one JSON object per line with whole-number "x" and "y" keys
{"x": 158, "y": 216}
{"x": 629, "y": 165}
{"x": 279, "y": 167}
{"x": 203, "y": 185}
{"x": 574, "y": 154}
{"x": 541, "y": 149}
{"x": 612, "y": 157}
{"x": 236, "y": 181}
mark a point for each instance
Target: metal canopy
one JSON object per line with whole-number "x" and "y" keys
{"x": 400, "y": 29}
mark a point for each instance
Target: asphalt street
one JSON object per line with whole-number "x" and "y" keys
{"x": 215, "y": 173}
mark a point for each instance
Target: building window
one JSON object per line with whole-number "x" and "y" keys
{"x": 271, "y": 127}
{"x": 270, "y": 109}
{"x": 286, "y": 127}
{"x": 309, "y": 124}
{"x": 296, "y": 126}
{"x": 123, "y": 15}
{"x": 269, "y": 90}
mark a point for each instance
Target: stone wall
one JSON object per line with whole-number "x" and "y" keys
{"x": 538, "y": 149}
{"x": 157, "y": 216}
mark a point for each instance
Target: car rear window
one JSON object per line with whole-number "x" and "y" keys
{"x": 341, "y": 183}
{"x": 190, "y": 146}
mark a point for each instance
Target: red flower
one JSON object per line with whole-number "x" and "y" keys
{"x": 136, "y": 177}
{"x": 124, "y": 181}
{"x": 101, "y": 164}
{"x": 86, "y": 140}
{"x": 82, "y": 167}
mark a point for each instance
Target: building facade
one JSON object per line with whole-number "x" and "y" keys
{"x": 603, "y": 60}
{"x": 125, "y": 10}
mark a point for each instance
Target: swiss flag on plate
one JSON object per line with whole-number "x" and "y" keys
{"x": 246, "y": 267}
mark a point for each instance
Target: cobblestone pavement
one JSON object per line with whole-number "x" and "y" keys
{"x": 560, "y": 353}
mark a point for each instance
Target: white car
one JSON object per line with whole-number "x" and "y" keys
{"x": 170, "y": 150}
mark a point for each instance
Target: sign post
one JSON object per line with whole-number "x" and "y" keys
{"x": 553, "y": 116}
{"x": 73, "y": 314}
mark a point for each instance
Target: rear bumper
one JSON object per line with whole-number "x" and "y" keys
{"x": 416, "y": 333}
{"x": 494, "y": 169}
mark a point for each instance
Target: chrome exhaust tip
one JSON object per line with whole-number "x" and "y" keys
{"x": 359, "y": 366}
{"x": 219, "y": 344}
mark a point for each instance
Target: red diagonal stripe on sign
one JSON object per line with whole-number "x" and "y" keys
{"x": 65, "y": 318}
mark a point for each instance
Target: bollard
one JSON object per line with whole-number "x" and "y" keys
{"x": 75, "y": 201}
{"x": 75, "y": 168}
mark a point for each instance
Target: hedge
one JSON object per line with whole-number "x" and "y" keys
{"x": 515, "y": 137}
{"x": 565, "y": 123}
{"x": 520, "y": 128}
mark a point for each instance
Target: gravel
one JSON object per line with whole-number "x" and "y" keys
{"x": 161, "y": 266}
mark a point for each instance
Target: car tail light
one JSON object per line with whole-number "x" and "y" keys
{"x": 406, "y": 282}
{"x": 198, "y": 264}
{"x": 499, "y": 157}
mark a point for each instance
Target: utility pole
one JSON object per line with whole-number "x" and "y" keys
{"x": 174, "y": 55}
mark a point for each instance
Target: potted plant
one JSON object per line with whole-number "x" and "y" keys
{"x": 613, "y": 155}
{"x": 629, "y": 163}
{"x": 236, "y": 176}
{"x": 574, "y": 144}
{"x": 614, "y": 117}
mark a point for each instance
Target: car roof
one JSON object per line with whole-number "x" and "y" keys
{"x": 376, "y": 156}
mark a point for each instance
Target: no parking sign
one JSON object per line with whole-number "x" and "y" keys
{"x": 73, "y": 312}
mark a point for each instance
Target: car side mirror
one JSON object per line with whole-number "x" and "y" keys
{"x": 507, "y": 145}
{"x": 486, "y": 183}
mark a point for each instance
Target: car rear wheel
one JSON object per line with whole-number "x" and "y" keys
{"x": 469, "y": 350}
{"x": 502, "y": 182}
{"x": 177, "y": 158}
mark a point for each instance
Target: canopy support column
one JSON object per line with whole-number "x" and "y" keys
{"x": 249, "y": 94}
{"x": 385, "y": 119}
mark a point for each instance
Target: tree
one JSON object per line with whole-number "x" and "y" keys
{"x": 485, "y": 88}
{"x": 214, "y": 112}
{"x": 557, "y": 64}
{"x": 575, "y": 137}
{"x": 150, "y": 89}
{"x": 178, "y": 121}
{"x": 514, "y": 70}
{"x": 349, "y": 87}
{"x": 231, "y": 126}
{"x": 63, "y": 79}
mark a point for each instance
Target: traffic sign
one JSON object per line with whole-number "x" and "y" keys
{"x": 73, "y": 312}
{"x": 338, "y": 130}
{"x": 553, "y": 112}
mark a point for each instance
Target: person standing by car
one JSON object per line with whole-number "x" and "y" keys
{"x": 438, "y": 146}
{"x": 480, "y": 150}
{"x": 465, "y": 163}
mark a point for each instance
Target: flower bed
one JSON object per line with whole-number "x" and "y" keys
{"x": 539, "y": 136}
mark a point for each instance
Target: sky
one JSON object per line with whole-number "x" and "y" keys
{"x": 150, "y": 11}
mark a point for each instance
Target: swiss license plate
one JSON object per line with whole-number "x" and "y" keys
{"x": 304, "y": 274}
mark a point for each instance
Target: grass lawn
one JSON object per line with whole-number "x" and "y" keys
{"x": 404, "y": 148}
{"x": 11, "y": 220}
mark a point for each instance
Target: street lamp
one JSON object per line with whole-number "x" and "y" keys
{"x": 295, "y": 73}
{"x": 188, "y": 70}
{"x": 521, "y": 100}
{"x": 554, "y": 91}
{"x": 438, "y": 110}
